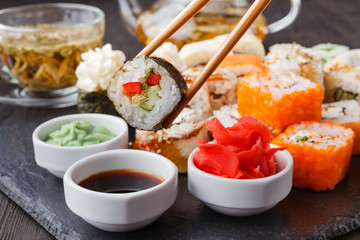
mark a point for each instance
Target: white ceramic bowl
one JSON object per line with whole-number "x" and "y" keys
{"x": 241, "y": 197}
{"x": 120, "y": 212}
{"x": 57, "y": 159}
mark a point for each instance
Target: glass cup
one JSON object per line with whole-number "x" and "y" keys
{"x": 41, "y": 44}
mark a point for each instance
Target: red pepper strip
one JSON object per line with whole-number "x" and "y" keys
{"x": 131, "y": 88}
{"x": 153, "y": 79}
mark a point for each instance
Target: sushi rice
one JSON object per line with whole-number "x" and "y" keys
{"x": 134, "y": 71}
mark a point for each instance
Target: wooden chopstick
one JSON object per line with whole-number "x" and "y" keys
{"x": 184, "y": 16}
{"x": 245, "y": 22}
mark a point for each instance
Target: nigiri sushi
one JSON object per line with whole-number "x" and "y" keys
{"x": 321, "y": 153}
{"x": 342, "y": 79}
{"x": 199, "y": 53}
{"x": 145, "y": 90}
{"x": 347, "y": 113}
{"x": 287, "y": 57}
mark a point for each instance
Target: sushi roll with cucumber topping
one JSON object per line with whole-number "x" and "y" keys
{"x": 145, "y": 90}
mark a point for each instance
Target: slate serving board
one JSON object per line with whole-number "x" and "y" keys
{"x": 302, "y": 215}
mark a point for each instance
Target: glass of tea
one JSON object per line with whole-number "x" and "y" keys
{"x": 41, "y": 44}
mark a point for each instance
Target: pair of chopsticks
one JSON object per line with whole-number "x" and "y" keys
{"x": 245, "y": 22}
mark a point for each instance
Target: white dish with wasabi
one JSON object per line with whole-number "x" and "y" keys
{"x": 62, "y": 141}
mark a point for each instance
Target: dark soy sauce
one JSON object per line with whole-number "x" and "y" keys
{"x": 121, "y": 181}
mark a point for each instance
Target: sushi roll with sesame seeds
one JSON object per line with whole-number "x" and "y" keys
{"x": 321, "y": 153}
{"x": 221, "y": 84}
{"x": 347, "y": 113}
{"x": 287, "y": 57}
{"x": 279, "y": 99}
{"x": 176, "y": 142}
{"x": 342, "y": 79}
{"x": 145, "y": 90}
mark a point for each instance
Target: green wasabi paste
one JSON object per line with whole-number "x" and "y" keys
{"x": 79, "y": 133}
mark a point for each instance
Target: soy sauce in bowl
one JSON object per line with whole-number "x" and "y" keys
{"x": 121, "y": 181}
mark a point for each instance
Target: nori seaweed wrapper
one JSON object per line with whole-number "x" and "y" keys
{"x": 174, "y": 73}
{"x": 95, "y": 102}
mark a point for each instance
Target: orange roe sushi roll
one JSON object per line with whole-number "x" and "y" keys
{"x": 279, "y": 100}
{"x": 240, "y": 64}
{"x": 347, "y": 113}
{"x": 321, "y": 153}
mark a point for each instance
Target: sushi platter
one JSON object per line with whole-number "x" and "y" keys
{"x": 264, "y": 101}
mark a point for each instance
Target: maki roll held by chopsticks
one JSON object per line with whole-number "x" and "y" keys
{"x": 145, "y": 90}
{"x": 174, "y": 98}
{"x": 321, "y": 153}
{"x": 347, "y": 113}
{"x": 279, "y": 99}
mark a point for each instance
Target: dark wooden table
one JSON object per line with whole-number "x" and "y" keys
{"x": 320, "y": 21}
